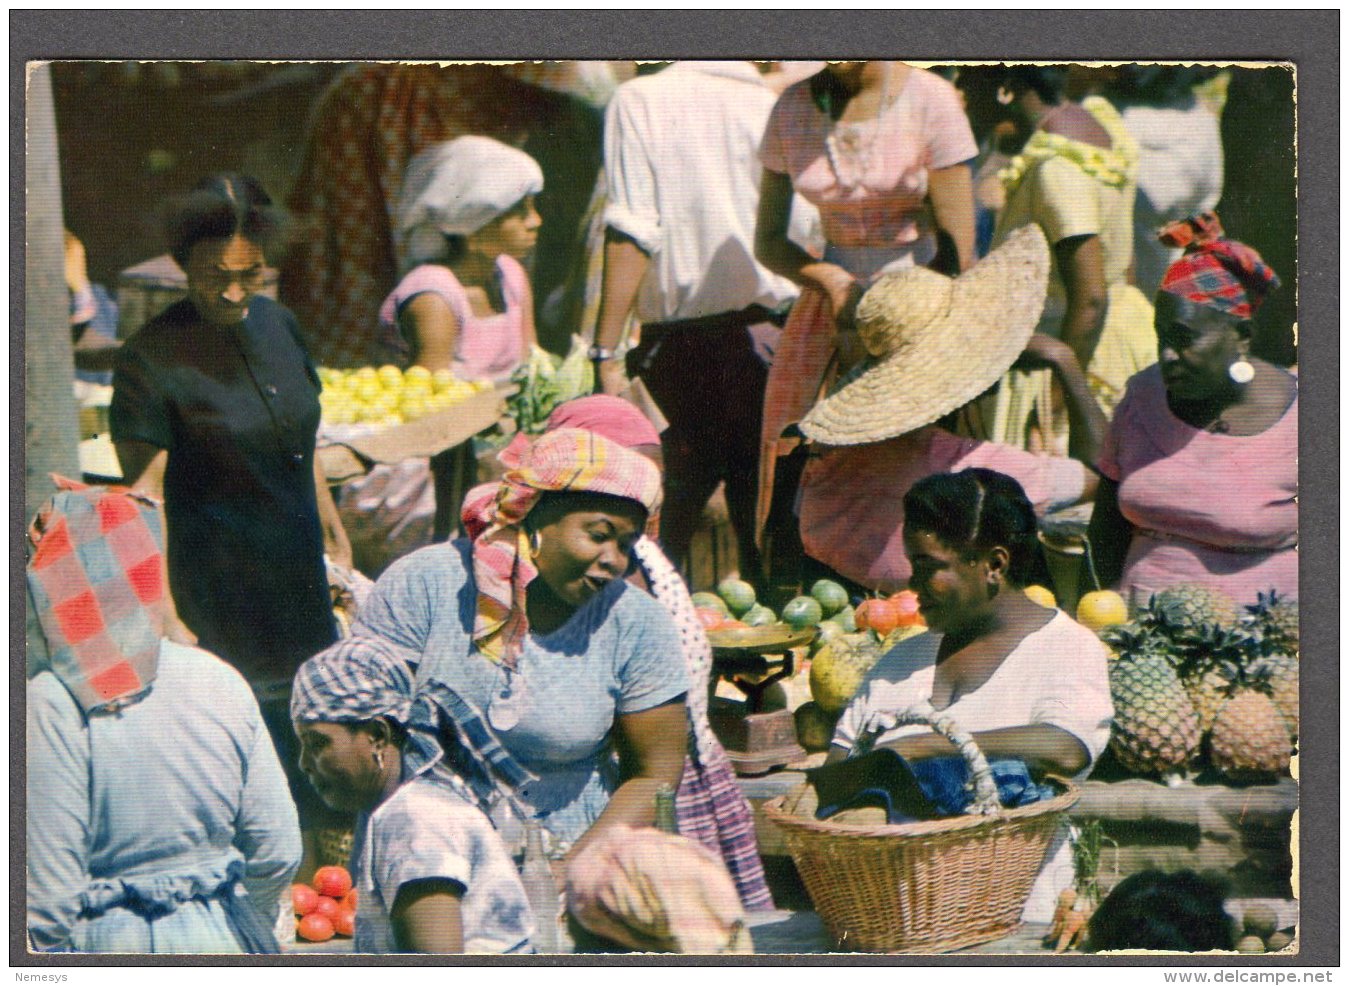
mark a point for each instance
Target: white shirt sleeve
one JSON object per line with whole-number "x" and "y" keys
{"x": 1074, "y": 691}
{"x": 633, "y": 208}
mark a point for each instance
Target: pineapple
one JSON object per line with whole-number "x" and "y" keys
{"x": 1193, "y": 606}
{"x": 1209, "y": 658}
{"x": 1207, "y": 689}
{"x": 1249, "y": 741}
{"x": 1282, "y": 673}
{"x": 1156, "y": 729}
{"x": 1274, "y": 619}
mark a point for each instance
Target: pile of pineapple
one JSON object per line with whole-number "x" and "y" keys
{"x": 389, "y": 395}
{"x": 1198, "y": 683}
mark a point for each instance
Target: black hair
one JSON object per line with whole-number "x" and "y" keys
{"x": 219, "y": 207}
{"x": 554, "y": 505}
{"x": 977, "y": 509}
{"x": 1181, "y": 912}
{"x": 1046, "y": 81}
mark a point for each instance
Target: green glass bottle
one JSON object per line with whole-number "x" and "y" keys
{"x": 665, "y": 810}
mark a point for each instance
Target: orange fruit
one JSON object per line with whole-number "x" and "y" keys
{"x": 1101, "y": 609}
{"x": 332, "y": 881}
{"x": 881, "y": 615}
{"x": 314, "y": 927}
{"x": 327, "y": 907}
{"x": 345, "y": 925}
{"x": 305, "y": 898}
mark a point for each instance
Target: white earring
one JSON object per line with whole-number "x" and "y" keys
{"x": 379, "y": 760}
{"x": 1241, "y": 371}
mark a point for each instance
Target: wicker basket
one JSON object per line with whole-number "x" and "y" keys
{"x": 334, "y": 846}
{"x": 924, "y": 887}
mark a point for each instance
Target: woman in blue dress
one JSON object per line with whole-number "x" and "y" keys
{"x": 159, "y": 818}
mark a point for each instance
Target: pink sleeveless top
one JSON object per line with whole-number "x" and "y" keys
{"x": 489, "y": 347}
{"x": 1211, "y": 508}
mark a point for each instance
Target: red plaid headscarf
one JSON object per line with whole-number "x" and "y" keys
{"x": 1216, "y": 271}
{"x": 97, "y": 582}
{"x": 566, "y": 460}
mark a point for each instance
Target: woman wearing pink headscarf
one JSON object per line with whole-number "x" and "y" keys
{"x": 708, "y": 804}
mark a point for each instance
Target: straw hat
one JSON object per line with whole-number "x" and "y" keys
{"x": 936, "y": 343}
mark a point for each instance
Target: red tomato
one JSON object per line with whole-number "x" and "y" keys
{"x": 305, "y": 898}
{"x": 328, "y": 908}
{"x": 345, "y": 925}
{"x": 332, "y": 881}
{"x": 314, "y": 927}
{"x": 348, "y": 901}
{"x": 877, "y": 614}
{"x": 906, "y": 606}
{"x": 709, "y": 618}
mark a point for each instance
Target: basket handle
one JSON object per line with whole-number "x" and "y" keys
{"x": 985, "y": 799}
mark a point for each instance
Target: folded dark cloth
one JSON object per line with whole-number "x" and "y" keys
{"x": 922, "y": 790}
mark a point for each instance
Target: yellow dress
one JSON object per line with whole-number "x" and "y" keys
{"x": 1073, "y": 189}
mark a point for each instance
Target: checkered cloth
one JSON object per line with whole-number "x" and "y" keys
{"x": 567, "y": 460}
{"x": 96, "y": 576}
{"x": 354, "y": 680}
{"x": 1216, "y": 271}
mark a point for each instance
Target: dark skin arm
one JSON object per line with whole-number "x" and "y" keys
{"x": 952, "y": 193}
{"x": 427, "y": 917}
{"x": 625, "y": 265}
{"x": 1046, "y": 749}
{"x": 1086, "y": 421}
{"x": 1109, "y": 534}
{"x": 1081, "y": 265}
{"x": 651, "y": 747}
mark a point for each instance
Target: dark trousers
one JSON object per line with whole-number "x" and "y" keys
{"x": 708, "y": 377}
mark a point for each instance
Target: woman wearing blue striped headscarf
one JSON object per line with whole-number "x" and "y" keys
{"x": 432, "y": 873}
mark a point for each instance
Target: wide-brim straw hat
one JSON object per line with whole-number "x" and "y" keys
{"x": 936, "y": 342}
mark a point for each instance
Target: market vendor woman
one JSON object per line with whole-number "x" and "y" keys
{"x": 214, "y": 411}
{"x": 1027, "y": 681}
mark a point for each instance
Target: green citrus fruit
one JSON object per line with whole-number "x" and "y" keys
{"x": 709, "y": 600}
{"x": 759, "y": 616}
{"x": 845, "y": 619}
{"x": 802, "y": 612}
{"x": 737, "y": 594}
{"x": 831, "y": 596}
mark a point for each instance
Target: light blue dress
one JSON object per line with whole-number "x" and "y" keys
{"x": 140, "y": 822}
{"x": 618, "y": 654}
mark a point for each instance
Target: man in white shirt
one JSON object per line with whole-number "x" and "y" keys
{"x": 681, "y": 155}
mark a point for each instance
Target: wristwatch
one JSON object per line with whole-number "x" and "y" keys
{"x": 602, "y": 354}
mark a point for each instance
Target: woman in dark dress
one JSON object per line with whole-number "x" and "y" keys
{"x": 215, "y": 410}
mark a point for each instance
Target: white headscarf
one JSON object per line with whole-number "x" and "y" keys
{"x": 458, "y": 187}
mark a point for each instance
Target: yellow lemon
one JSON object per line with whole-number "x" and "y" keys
{"x": 442, "y": 379}
{"x": 365, "y": 373}
{"x": 412, "y": 408}
{"x": 390, "y": 376}
{"x": 481, "y": 385}
{"x": 1039, "y": 594}
{"x": 368, "y": 390}
{"x": 417, "y": 373}
{"x": 1101, "y": 609}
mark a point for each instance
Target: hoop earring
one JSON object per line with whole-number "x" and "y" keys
{"x": 535, "y": 544}
{"x": 1005, "y": 96}
{"x": 379, "y": 760}
{"x": 1241, "y": 371}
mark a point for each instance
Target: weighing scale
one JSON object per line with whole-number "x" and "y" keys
{"x": 753, "y": 659}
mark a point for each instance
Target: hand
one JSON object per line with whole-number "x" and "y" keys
{"x": 1045, "y": 352}
{"x": 76, "y": 267}
{"x": 612, "y": 378}
{"x": 842, "y": 288}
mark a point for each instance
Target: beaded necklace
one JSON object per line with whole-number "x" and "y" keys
{"x": 851, "y": 141}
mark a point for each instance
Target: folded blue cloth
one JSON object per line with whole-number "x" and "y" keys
{"x": 919, "y": 790}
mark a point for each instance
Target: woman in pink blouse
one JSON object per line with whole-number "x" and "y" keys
{"x": 1199, "y": 470}
{"x": 880, "y": 148}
